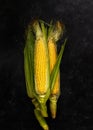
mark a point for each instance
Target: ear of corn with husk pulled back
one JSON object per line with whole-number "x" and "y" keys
{"x": 41, "y": 65}
{"x": 54, "y": 35}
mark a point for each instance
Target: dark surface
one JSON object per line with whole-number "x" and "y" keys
{"x": 75, "y": 103}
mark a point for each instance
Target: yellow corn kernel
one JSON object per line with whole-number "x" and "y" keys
{"x": 40, "y": 66}
{"x": 56, "y": 89}
{"x": 53, "y": 57}
{"x": 52, "y": 53}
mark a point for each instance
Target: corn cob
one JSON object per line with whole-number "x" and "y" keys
{"x": 55, "y": 92}
{"x": 54, "y": 74}
{"x": 40, "y": 64}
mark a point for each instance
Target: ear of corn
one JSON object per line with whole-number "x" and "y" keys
{"x": 41, "y": 66}
{"x": 55, "y": 92}
{"x": 54, "y": 35}
{"x": 41, "y": 63}
{"x": 54, "y": 83}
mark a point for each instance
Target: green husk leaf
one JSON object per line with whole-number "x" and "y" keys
{"x": 41, "y": 119}
{"x": 44, "y": 30}
{"x": 51, "y": 27}
{"x": 28, "y": 62}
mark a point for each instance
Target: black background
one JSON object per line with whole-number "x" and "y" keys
{"x": 75, "y": 103}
